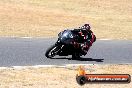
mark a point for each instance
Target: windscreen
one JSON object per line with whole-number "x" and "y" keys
{"x": 66, "y": 37}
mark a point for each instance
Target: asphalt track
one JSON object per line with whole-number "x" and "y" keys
{"x": 31, "y": 51}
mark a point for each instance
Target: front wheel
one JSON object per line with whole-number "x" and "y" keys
{"x": 94, "y": 38}
{"x": 52, "y": 51}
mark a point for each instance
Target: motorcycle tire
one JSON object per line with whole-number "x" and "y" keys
{"x": 94, "y": 38}
{"x": 52, "y": 50}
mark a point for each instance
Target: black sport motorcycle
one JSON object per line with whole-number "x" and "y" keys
{"x": 63, "y": 46}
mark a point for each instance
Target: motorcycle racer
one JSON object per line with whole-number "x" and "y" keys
{"x": 75, "y": 42}
{"x": 85, "y": 38}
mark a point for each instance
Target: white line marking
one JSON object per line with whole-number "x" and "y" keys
{"x": 104, "y": 39}
{"x": 44, "y": 66}
{"x": 26, "y": 37}
{"x": 40, "y": 37}
{"x": 55, "y": 37}
{"x": 56, "y": 66}
{"x": 39, "y": 66}
{"x": 3, "y": 68}
{"x": 19, "y": 67}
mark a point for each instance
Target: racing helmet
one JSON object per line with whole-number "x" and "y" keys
{"x": 86, "y": 26}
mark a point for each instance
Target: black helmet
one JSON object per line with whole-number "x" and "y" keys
{"x": 86, "y": 26}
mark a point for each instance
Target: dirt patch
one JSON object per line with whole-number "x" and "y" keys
{"x": 58, "y": 77}
{"x": 41, "y": 18}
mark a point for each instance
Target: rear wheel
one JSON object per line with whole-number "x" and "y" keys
{"x": 76, "y": 56}
{"x": 52, "y": 51}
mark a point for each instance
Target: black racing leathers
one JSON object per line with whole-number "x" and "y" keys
{"x": 83, "y": 39}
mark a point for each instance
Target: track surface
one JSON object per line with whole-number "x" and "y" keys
{"x": 29, "y": 52}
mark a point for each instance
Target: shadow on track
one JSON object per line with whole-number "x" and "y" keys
{"x": 82, "y": 59}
